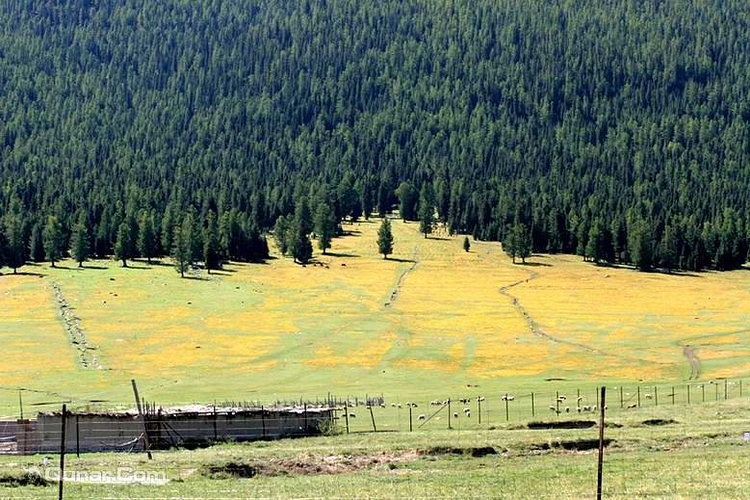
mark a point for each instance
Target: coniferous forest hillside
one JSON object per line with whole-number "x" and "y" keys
{"x": 618, "y": 130}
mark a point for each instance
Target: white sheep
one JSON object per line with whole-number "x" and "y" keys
{"x": 421, "y": 417}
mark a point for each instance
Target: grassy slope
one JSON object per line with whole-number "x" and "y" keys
{"x": 700, "y": 456}
{"x": 281, "y": 330}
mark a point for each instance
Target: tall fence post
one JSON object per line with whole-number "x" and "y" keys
{"x": 411, "y": 428}
{"x": 143, "y": 418}
{"x": 372, "y": 417}
{"x": 62, "y": 452}
{"x": 688, "y": 393}
{"x": 532, "y": 405}
{"x": 656, "y": 396}
{"x": 740, "y": 387}
{"x": 639, "y": 396}
{"x": 622, "y": 402}
{"x": 346, "y": 415}
{"x": 600, "y": 466}
{"x": 726, "y": 387}
{"x": 507, "y": 414}
{"x": 703, "y": 392}
{"x": 673, "y": 395}
{"x": 479, "y": 409}
{"x": 449, "y": 413}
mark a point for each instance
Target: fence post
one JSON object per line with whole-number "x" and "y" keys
{"x": 62, "y": 452}
{"x": 449, "y": 413}
{"x": 143, "y": 418}
{"x": 601, "y": 444}
{"x": 703, "y": 391}
{"x": 621, "y": 400}
{"x": 688, "y": 393}
{"x": 716, "y": 391}
{"x": 372, "y": 417}
{"x": 740, "y": 387}
{"x": 656, "y": 396}
{"x": 346, "y": 414}
{"x": 532, "y": 405}
{"x": 411, "y": 428}
{"x": 262, "y": 419}
{"x": 639, "y": 396}
{"x": 306, "y": 418}
{"x": 673, "y": 395}
{"x": 557, "y": 403}
{"x": 507, "y": 416}
{"x": 479, "y": 409}
{"x": 726, "y": 385}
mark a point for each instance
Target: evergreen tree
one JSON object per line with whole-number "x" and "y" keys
{"x": 467, "y": 244}
{"x": 426, "y": 211}
{"x": 181, "y": 246}
{"x": 301, "y": 246}
{"x": 385, "y": 238}
{"x": 123, "y": 244}
{"x": 641, "y": 244}
{"x": 325, "y": 225}
{"x": 518, "y": 242}
{"x": 36, "y": 245}
{"x": 14, "y": 241}
{"x": 79, "y": 242}
{"x": 211, "y": 250}
{"x": 408, "y": 199}
{"x": 347, "y": 197}
{"x": 281, "y": 234}
{"x": 146, "y": 235}
{"x": 53, "y": 239}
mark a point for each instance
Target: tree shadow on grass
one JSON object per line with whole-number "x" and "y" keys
{"x": 94, "y": 268}
{"x": 437, "y": 238}
{"x": 195, "y": 278}
{"x": 25, "y": 273}
{"x": 534, "y": 264}
{"x": 406, "y": 261}
{"x": 341, "y": 255}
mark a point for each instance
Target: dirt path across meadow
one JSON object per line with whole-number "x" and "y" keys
{"x": 72, "y": 326}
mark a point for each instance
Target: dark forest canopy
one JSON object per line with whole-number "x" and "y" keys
{"x": 618, "y": 130}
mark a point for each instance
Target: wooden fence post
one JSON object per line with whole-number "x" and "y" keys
{"x": 726, "y": 386}
{"x": 639, "y": 396}
{"x": 62, "y": 452}
{"x": 622, "y": 402}
{"x": 411, "y": 427}
{"x": 346, "y": 415}
{"x": 449, "y": 413}
{"x": 656, "y": 396}
{"x": 372, "y": 417}
{"x": 601, "y": 445}
{"x": 532, "y": 405}
{"x": 688, "y": 393}
{"x": 479, "y": 409}
{"x": 143, "y": 418}
{"x": 506, "y": 407}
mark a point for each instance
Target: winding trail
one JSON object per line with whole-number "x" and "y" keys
{"x": 401, "y": 278}
{"x": 695, "y": 363}
{"x": 533, "y": 325}
{"x": 76, "y": 335}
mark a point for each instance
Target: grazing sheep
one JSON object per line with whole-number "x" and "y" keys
{"x": 455, "y": 415}
{"x": 631, "y": 406}
{"x": 414, "y": 405}
{"x": 593, "y": 408}
{"x": 468, "y": 414}
{"x": 552, "y": 408}
{"x": 579, "y": 398}
{"x": 398, "y": 405}
{"x": 480, "y": 398}
{"x": 393, "y": 405}
{"x": 578, "y": 409}
{"x": 567, "y": 409}
{"x": 352, "y": 415}
{"x": 467, "y": 410}
{"x": 586, "y": 408}
{"x": 648, "y": 396}
{"x": 421, "y": 417}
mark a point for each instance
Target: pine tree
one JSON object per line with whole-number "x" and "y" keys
{"x": 146, "y": 235}
{"x": 385, "y": 238}
{"x": 347, "y": 197}
{"x": 52, "y": 236}
{"x": 517, "y": 242}
{"x": 181, "y": 245}
{"x": 123, "y": 244}
{"x": 426, "y": 210}
{"x": 301, "y": 246}
{"x": 211, "y": 250}
{"x": 408, "y": 198}
{"x": 14, "y": 241}
{"x": 467, "y": 244}
{"x": 281, "y": 234}
{"x": 325, "y": 225}
{"x": 79, "y": 242}
{"x": 36, "y": 245}
{"x": 641, "y": 244}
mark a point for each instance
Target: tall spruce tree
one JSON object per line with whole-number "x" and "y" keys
{"x": 385, "y": 238}
{"x": 36, "y": 243}
{"x": 53, "y": 239}
{"x": 79, "y": 241}
{"x": 325, "y": 226}
{"x": 15, "y": 244}
{"x": 281, "y": 234}
{"x": 211, "y": 248}
{"x": 182, "y": 245}
{"x": 147, "y": 235}
{"x": 123, "y": 243}
{"x": 467, "y": 244}
{"x": 426, "y": 210}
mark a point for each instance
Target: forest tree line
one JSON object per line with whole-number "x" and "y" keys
{"x": 617, "y": 131}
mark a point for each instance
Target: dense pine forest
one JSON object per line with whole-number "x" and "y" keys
{"x": 617, "y": 130}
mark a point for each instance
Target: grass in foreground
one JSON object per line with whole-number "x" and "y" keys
{"x": 699, "y": 455}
